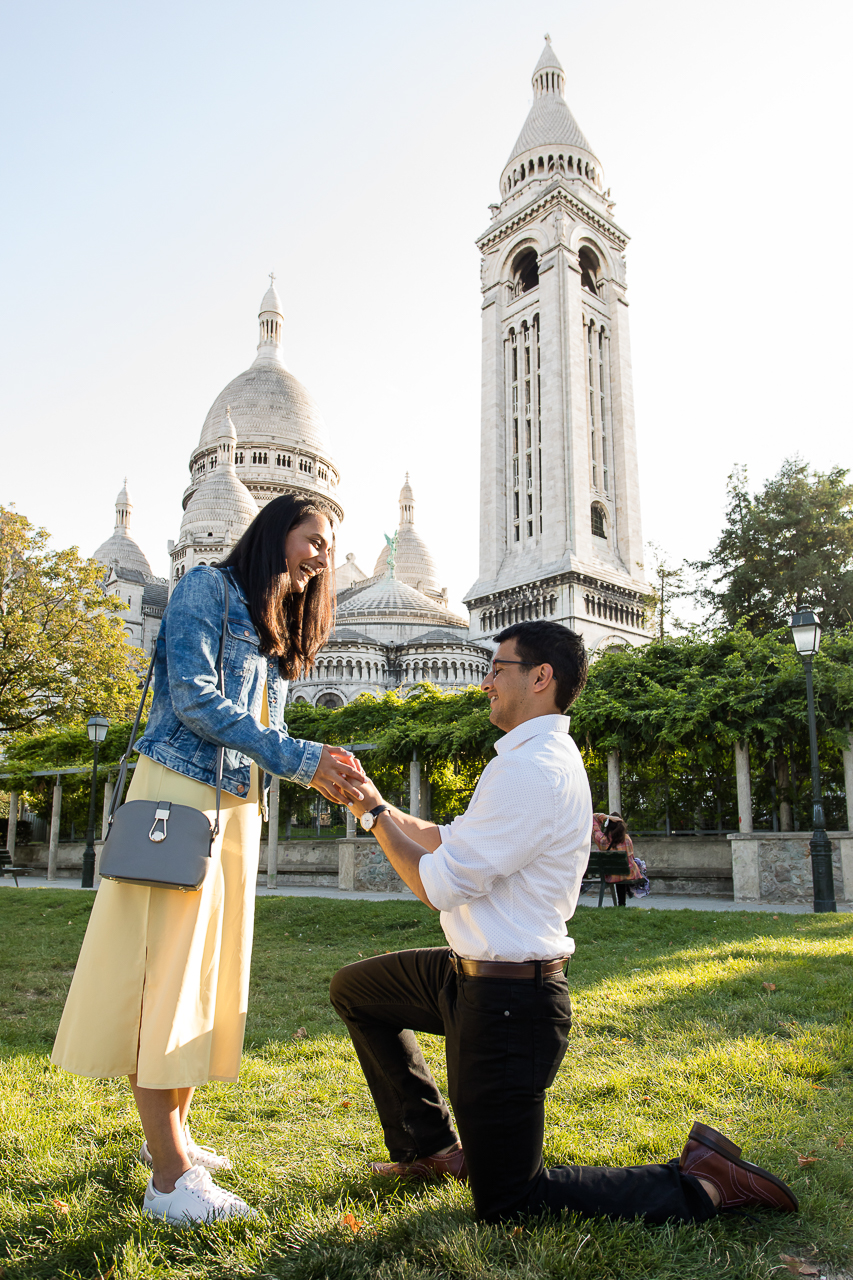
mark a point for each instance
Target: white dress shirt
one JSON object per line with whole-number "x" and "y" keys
{"x": 508, "y": 872}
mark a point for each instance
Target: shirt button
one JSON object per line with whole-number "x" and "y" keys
{"x": 241, "y": 788}
{"x": 506, "y": 1013}
{"x": 245, "y": 633}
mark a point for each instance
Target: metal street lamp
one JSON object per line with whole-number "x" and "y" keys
{"x": 805, "y": 629}
{"x": 97, "y": 731}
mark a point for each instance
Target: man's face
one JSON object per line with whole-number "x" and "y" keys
{"x": 508, "y": 686}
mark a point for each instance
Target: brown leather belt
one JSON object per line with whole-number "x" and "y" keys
{"x": 505, "y": 968}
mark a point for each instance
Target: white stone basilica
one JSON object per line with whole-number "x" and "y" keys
{"x": 560, "y": 532}
{"x": 262, "y": 437}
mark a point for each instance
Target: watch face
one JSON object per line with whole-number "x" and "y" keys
{"x": 367, "y": 820}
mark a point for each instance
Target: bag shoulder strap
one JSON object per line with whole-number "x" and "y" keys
{"x": 220, "y": 755}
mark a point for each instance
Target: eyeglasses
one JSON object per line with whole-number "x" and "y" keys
{"x": 508, "y": 662}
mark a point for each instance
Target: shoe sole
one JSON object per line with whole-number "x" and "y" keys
{"x": 723, "y": 1146}
{"x": 414, "y": 1174}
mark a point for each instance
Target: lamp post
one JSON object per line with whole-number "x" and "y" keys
{"x": 805, "y": 629}
{"x": 97, "y": 731}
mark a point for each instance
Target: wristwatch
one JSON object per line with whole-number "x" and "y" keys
{"x": 368, "y": 819}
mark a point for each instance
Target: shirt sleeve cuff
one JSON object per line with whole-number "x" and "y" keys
{"x": 430, "y": 869}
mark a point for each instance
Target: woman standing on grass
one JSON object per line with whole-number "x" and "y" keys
{"x": 161, "y": 986}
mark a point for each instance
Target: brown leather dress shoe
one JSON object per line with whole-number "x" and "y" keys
{"x": 710, "y": 1155}
{"x": 450, "y": 1165}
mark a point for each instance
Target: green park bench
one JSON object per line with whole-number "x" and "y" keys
{"x": 606, "y": 862}
{"x": 6, "y": 865}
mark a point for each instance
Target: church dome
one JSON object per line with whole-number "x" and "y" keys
{"x": 413, "y": 563}
{"x": 268, "y": 406}
{"x": 282, "y": 441}
{"x": 390, "y": 598}
{"x": 120, "y": 549}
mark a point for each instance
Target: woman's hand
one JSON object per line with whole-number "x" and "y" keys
{"x": 338, "y": 776}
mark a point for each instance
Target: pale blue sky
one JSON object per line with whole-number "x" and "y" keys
{"x": 159, "y": 159}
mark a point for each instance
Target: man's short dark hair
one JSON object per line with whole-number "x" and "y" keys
{"x": 562, "y": 649}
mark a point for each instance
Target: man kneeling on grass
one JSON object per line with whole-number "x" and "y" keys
{"x": 506, "y": 876}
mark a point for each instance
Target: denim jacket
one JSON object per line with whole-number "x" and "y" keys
{"x": 189, "y": 718}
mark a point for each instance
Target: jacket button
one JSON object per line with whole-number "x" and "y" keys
{"x": 241, "y": 789}
{"x": 245, "y": 633}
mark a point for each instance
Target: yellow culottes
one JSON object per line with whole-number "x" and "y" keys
{"x": 162, "y": 982}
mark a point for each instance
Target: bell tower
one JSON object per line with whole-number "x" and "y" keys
{"x": 560, "y": 532}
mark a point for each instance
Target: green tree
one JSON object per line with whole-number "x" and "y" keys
{"x": 63, "y": 652}
{"x": 668, "y": 583}
{"x": 786, "y": 547}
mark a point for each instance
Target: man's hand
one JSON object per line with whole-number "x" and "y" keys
{"x": 371, "y": 797}
{"x": 339, "y": 776}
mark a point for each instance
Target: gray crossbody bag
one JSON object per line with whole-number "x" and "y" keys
{"x": 155, "y": 842}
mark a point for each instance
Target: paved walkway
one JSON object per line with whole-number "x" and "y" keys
{"x": 654, "y": 902}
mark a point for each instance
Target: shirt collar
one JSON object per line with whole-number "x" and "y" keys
{"x": 532, "y": 729}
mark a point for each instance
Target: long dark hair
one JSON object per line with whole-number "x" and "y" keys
{"x": 293, "y": 626}
{"x": 615, "y": 830}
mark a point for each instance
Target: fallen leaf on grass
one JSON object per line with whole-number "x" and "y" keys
{"x": 345, "y": 1102}
{"x": 769, "y": 986}
{"x": 59, "y": 1205}
{"x": 300, "y": 1033}
{"x": 805, "y": 1161}
{"x": 839, "y": 1144}
{"x": 349, "y": 1220}
{"x": 775, "y": 917}
{"x": 517, "y": 1231}
{"x": 797, "y": 1266}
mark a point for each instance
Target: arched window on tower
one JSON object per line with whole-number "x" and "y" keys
{"x": 598, "y": 522}
{"x": 590, "y": 269}
{"x": 525, "y": 272}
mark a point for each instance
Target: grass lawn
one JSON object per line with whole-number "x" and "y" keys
{"x": 742, "y": 1020}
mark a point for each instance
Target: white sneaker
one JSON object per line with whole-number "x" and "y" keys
{"x": 202, "y": 1157}
{"x": 196, "y": 1198}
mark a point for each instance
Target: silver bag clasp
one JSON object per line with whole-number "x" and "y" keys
{"x": 161, "y": 815}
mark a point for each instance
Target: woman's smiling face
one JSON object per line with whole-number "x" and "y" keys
{"x": 307, "y": 549}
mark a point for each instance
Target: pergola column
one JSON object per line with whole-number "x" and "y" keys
{"x": 744, "y": 786}
{"x": 847, "y": 756}
{"x": 415, "y": 786}
{"x": 614, "y": 783}
{"x": 53, "y": 847}
{"x": 12, "y": 836}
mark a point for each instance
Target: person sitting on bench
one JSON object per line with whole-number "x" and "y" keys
{"x": 610, "y": 832}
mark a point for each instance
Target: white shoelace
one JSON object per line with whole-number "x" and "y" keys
{"x": 199, "y": 1182}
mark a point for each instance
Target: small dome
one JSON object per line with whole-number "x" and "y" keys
{"x": 221, "y": 500}
{"x": 271, "y": 302}
{"x": 121, "y": 549}
{"x": 548, "y": 60}
{"x": 413, "y": 563}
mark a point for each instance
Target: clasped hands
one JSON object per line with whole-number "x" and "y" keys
{"x": 341, "y": 779}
